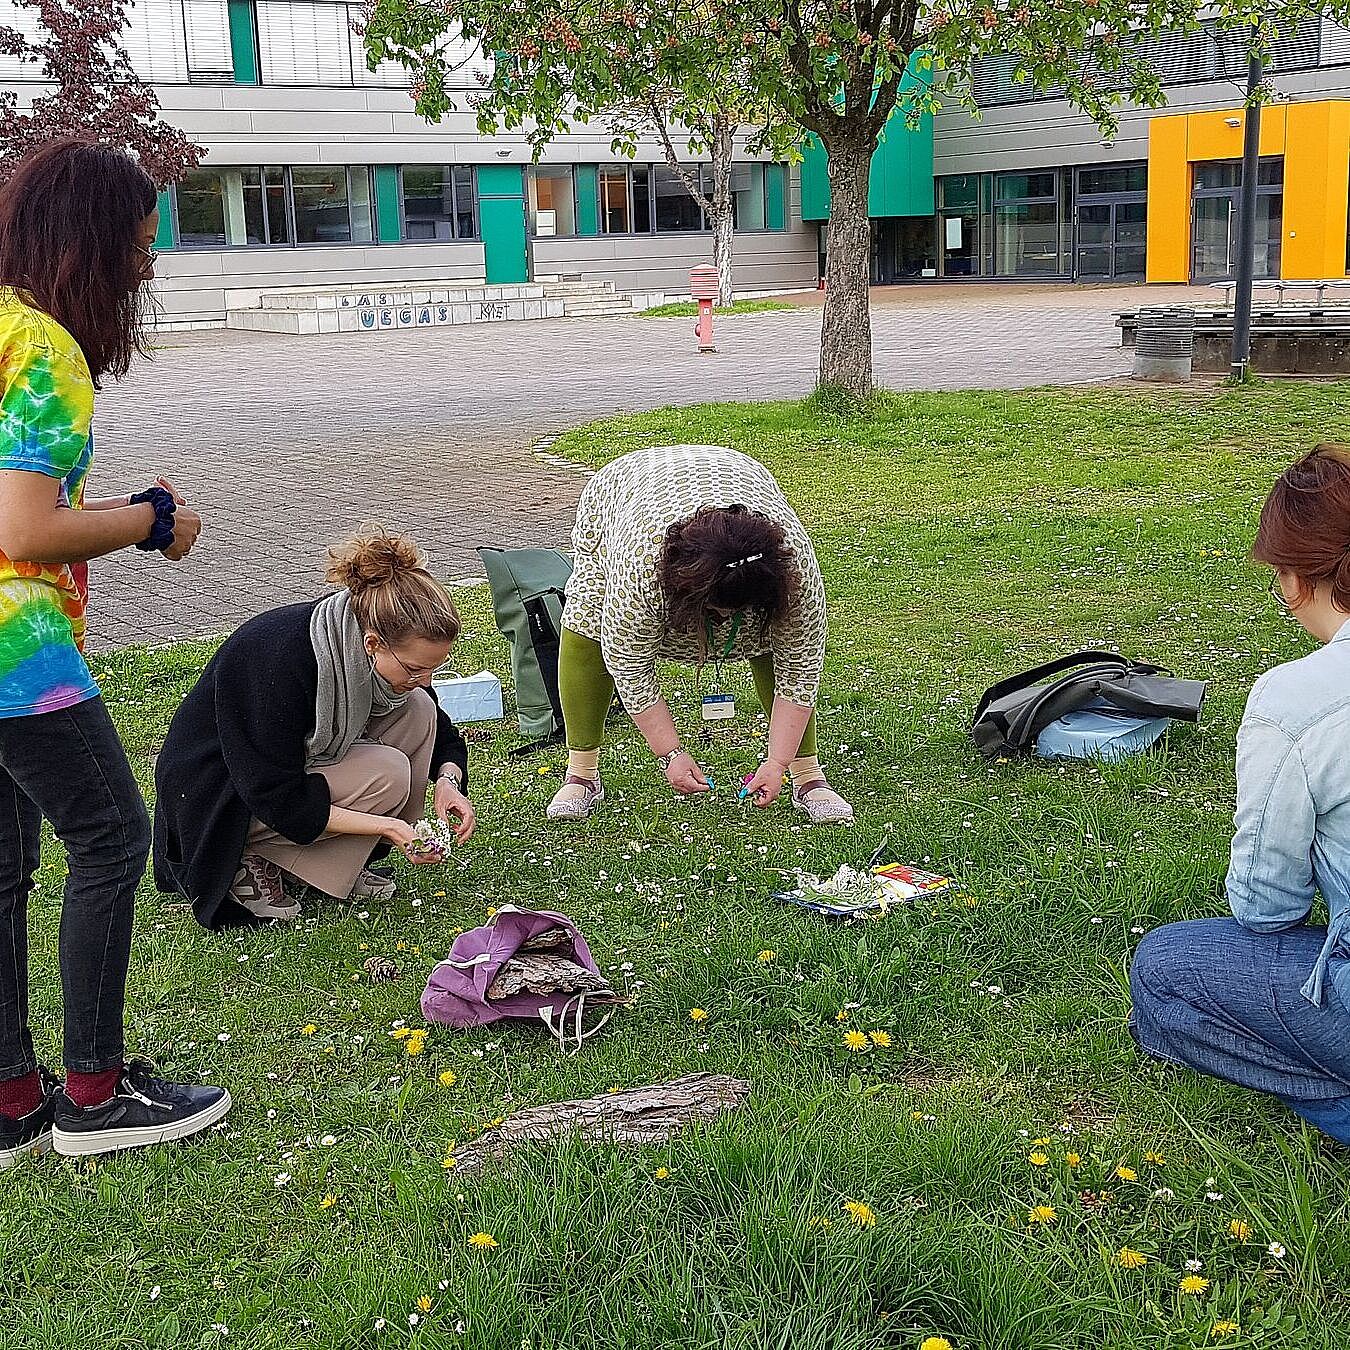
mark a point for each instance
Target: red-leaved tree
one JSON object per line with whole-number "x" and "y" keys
{"x": 90, "y": 88}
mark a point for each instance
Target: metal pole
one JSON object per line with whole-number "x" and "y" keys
{"x": 1246, "y": 263}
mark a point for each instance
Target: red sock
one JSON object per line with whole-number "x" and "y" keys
{"x": 19, "y": 1096}
{"x": 92, "y": 1089}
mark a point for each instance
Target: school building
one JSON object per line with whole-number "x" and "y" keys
{"x": 317, "y": 173}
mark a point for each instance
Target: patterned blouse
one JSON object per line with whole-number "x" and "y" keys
{"x": 615, "y": 598}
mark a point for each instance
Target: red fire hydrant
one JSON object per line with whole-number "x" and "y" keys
{"x": 703, "y": 288}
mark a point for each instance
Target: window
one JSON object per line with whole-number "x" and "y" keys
{"x": 676, "y": 209}
{"x": 1109, "y": 179}
{"x": 552, "y": 197}
{"x": 201, "y": 209}
{"x": 748, "y": 195}
{"x": 1027, "y": 224}
{"x": 332, "y": 206}
{"x": 616, "y": 215}
{"x": 266, "y": 218}
{"x": 1223, "y": 174}
{"x": 438, "y": 202}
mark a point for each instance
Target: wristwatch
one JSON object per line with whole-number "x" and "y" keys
{"x": 669, "y": 758}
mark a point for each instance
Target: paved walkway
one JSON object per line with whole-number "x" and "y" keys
{"x": 285, "y": 443}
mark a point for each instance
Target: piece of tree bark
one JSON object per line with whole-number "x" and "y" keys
{"x": 642, "y": 1115}
{"x": 544, "y": 973}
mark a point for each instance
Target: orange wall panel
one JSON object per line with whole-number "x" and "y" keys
{"x": 1168, "y": 248}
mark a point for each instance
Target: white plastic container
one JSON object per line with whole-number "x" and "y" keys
{"x": 470, "y": 698}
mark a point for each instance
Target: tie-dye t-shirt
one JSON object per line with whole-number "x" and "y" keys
{"x": 46, "y": 407}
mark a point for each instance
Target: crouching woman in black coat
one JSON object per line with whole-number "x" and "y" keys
{"x": 308, "y": 744}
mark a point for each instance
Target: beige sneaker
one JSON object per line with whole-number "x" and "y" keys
{"x": 257, "y": 887}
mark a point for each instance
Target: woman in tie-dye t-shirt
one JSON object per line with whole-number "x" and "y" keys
{"x": 77, "y": 229}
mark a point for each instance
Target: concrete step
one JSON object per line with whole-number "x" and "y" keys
{"x": 592, "y": 309}
{"x": 365, "y": 297}
{"x": 369, "y": 319}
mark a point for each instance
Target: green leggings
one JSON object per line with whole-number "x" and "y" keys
{"x": 587, "y": 691}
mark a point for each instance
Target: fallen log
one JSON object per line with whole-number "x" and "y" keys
{"x": 641, "y": 1115}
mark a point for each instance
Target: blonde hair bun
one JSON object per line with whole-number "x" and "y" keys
{"x": 373, "y": 557}
{"x": 393, "y": 594}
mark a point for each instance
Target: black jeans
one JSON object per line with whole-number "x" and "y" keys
{"x": 70, "y": 767}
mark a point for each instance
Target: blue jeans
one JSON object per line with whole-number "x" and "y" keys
{"x": 1219, "y": 998}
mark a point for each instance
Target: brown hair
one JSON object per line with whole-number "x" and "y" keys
{"x": 68, "y": 221}
{"x": 1305, "y": 523}
{"x": 393, "y": 594}
{"x": 726, "y": 558}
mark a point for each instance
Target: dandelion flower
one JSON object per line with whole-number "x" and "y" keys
{"x": 1131, "y": 1259}
{"x": 1042, "y": 1142}
{"x": 861, "y": 1214}
{"x": 1240, "y": 1230}
{"x": 1037, "y": 1159}
{"x": 483, "y": 1240}
{"x": 855, "y": 1041}
{"x": 1041, "y": 1214}
{"x": 328, "y": 1201}
{"x": 447, "y": 1079}
{"x": 1154, "y": 1159}
{"x": 1193, "y": 1284}
{"x": 424, "y": 1303}
{"x": 841, "y": 1015}
{"x": 765, "y": 957}
{"x": 1127, "y": 1173}
{"x": 662, "y": 1173}
{"x": 1072, "y": 1160}
{"x": 401, "y": 1033}
{"x": 1277, "y": 1251}
{"x": 1224, "y": 1327}
{"x": 308, "y": 1030}
{"x": 935, "y": 1343}
{"x": 881, "y": 1038}
{"x": 698, "y": 1014}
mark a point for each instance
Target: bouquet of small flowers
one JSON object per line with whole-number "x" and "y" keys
{"x": 431, "y": 839}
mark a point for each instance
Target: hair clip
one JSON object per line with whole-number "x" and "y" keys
{"x": 741, "y": 562}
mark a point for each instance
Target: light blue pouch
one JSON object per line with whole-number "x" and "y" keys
{"x": 1099, "y": 732}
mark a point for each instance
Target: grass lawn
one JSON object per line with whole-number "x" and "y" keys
{"x": 682, "y": 309}
{"x": 962, "y": 536}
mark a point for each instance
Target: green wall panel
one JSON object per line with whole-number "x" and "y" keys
{"x": 388, "y": 226}
{"x": 164, "y": 235}
{"x": 588, "y": 199}
{"x": 775, "y": 196}
{"x": 501, "y": 222}
{"x": 902, "y": 170}
{"x": 243, "y": 42}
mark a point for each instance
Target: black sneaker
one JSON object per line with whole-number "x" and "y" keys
{"x": 31, "y": 1133}
{"x": 143, "y": 1110}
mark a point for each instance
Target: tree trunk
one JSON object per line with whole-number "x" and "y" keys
{"x": 723, "y": 216}
{"x": 846, "y": 330}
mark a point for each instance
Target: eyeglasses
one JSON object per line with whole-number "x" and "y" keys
{"x": 151, "y": 256}
{"x": 414, "y": 673}
{"x": 1277, "y": 593}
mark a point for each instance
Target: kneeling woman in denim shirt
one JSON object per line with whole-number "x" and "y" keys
{"x": 1263, "y": 999}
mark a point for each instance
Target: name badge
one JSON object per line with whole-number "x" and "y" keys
{"x": 718, "y": 707}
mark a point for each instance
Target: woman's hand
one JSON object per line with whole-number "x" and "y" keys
{"x": 450, "y": 802}
{"x": 187, "y": 525}
{"x": 764, "y": 787}
{"x": 403, "y": 836}
{"x": 685, "y": 776}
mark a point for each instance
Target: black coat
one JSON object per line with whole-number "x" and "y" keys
{"x": 235, "y": 750}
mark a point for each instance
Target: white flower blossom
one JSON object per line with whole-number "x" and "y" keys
{"x": 1277, "y": 1251}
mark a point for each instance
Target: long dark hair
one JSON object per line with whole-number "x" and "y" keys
{"x": 726, "y": 557}
{"x": 68, "y": 220}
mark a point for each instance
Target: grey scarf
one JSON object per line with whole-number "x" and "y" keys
{"x": 350, "y": 690}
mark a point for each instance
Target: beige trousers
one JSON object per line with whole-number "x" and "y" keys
{"x": 385, "y": 773}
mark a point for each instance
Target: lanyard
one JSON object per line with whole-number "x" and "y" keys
{"x": 725, "y": 654}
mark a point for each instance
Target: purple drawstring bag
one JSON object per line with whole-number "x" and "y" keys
{"x": 457, "y": 989}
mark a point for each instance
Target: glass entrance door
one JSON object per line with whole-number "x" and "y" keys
{"x": 1110, "y": 222}
{"x": 1215, "y": 207}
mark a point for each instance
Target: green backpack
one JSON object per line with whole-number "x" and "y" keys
{"x": 527, "y": 596}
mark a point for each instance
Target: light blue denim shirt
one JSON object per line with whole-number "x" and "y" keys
{"x": 1293, "y": 801}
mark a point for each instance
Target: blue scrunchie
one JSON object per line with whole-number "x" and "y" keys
{"x": 161, "y": 536}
